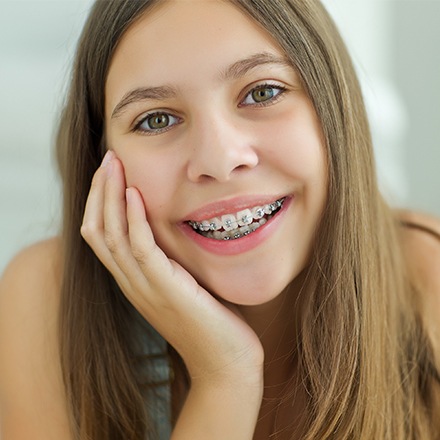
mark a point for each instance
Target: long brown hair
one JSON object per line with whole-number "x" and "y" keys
{"x": 363, "y": 356}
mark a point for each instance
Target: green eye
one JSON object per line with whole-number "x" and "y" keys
{"x": 156, "y": 123}
{"x": 263, "y": 94}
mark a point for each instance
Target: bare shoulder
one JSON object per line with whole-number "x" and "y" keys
{"x": 421, "y": 243}
{"x": 32, "y": 279}
{"x": 39, "y": 261}
{"x": 30, "y": 374}
{"x": 429, "y": 221}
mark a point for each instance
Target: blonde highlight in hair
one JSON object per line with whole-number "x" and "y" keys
{"x": 358, "y": 301}
{"x": 363, "y": 354}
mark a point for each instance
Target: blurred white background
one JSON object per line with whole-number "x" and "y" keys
{"x": 395, "y": 45}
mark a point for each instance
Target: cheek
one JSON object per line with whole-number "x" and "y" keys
{"x": 153, "y": 176}
{"x": 297, "y": 146}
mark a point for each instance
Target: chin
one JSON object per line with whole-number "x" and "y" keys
{"x": 251, "y": 290}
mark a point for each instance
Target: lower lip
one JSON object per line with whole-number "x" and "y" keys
{"x": 240, "y": 245}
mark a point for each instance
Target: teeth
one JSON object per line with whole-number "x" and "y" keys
{"x": 235, "y": 226}
{"x": 216, "y": 224}
{"x": 267, "y": 209}
{"x": 254, "y": 226}
{"x": 229, "y": 222}
{"x": 225, "y": 235}
{"x": 206, "y": 225}
{"x": 257, "y": 213}
{"x": 245, "y": 230}
{"x": 217, "y": 235}
{"x": 244, "y": 217}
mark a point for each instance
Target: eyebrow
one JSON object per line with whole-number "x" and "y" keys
{"x": 142, "y": 94}
{"x": 234, "y": 71}
{"x": 242, "y": 67}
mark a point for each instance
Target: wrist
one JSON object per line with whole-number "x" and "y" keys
{"x": 219, "y": 409}
{"x": 245, "y": 383}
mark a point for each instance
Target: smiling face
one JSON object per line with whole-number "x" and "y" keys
{"x": 210, "y": 121}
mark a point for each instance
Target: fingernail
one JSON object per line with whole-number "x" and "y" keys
{"x": 128, "y": 195}
{"x": 109, "y": 167}
{"x": 107, "y": 158}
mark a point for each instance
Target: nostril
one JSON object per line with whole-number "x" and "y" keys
{"x": 240, "y": 167}
{"x": 212, "y": 161}
{"x": 205, "y": 178}
{"x": 243, "y": 167}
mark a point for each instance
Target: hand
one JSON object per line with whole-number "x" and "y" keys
{"x": 211, "y": 337}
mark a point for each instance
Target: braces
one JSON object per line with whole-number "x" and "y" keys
{"x": 246, "y": 220}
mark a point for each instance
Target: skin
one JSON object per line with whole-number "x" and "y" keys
{"x": 218, "y": 145}
{"x": 232, "y": 318}
{"x": 224, "y": 145}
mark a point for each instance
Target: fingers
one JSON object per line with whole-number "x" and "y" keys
{"x": 116, "y": 228}
{"x": 93, "y": 219}
{"x": 150, "y": 258}
{"x": 93, "y": 226}
{"x": 133, "y": 260}
{"x": 114, "y": 215}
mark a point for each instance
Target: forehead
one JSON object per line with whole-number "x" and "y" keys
{"x": 181, "y": 22}
{"x": 187, "y": 37}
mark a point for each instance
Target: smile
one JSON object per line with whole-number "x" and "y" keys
{"x": 235, "y": 226}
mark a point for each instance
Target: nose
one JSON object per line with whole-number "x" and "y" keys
{"x": 220, "y": 150}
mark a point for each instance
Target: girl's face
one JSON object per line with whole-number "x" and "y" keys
{"x": 214, "y": 128}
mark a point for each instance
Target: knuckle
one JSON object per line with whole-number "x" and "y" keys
{"x": 112, "y": 241}
{"x": 88, "y": 231}
{"x": 96, "y": 179}
{"x": 139, "y": 254}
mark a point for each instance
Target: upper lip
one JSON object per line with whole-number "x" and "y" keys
{"x": 230, "y": 206}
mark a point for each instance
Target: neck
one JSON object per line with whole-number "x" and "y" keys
{"x": 276, "y": 324}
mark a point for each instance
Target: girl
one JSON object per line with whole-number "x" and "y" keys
{"x": 239, "y": 275}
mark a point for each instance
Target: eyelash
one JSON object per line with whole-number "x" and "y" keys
{"x": 280, "y": 90}
{"x": 138, "y": 126}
